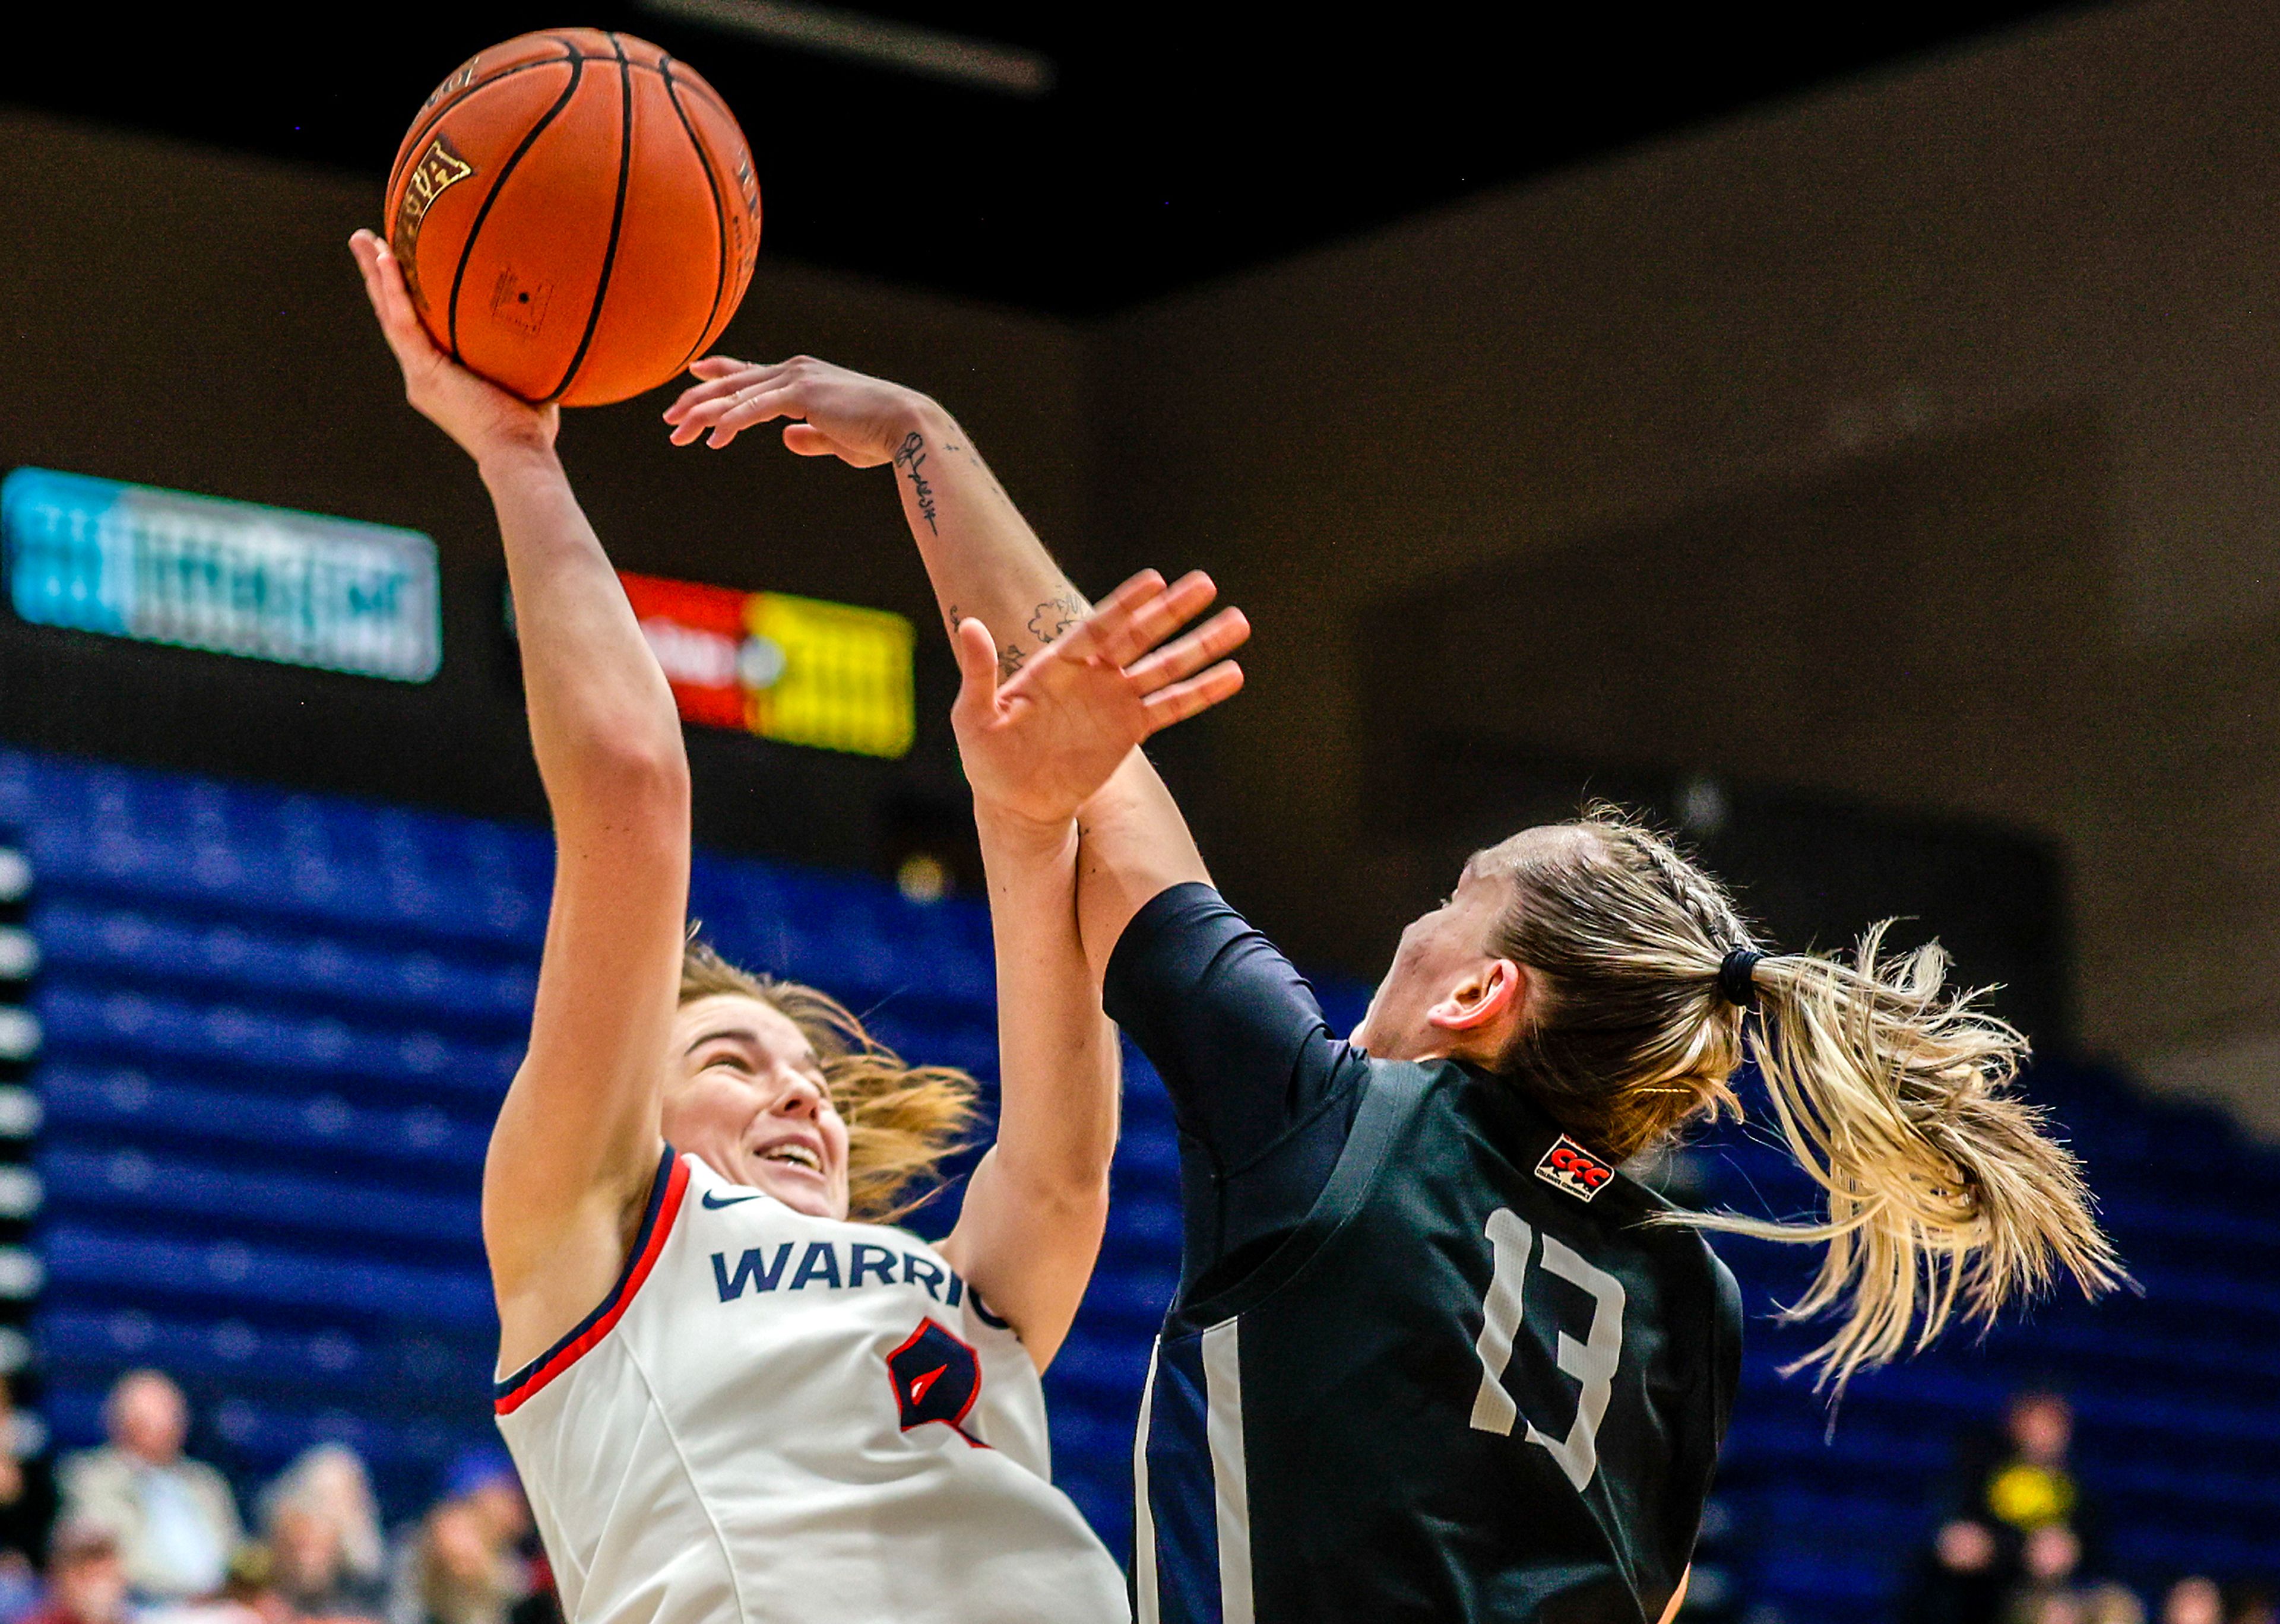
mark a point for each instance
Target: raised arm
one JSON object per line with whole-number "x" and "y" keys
{"x": 985, "y": 562}
{"x": 577, "y": 1139}
{"x": 1030, "y": 1226}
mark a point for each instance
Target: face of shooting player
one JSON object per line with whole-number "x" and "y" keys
{"x": 746, "y": 1095}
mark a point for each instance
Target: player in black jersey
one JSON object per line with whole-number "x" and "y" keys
{"x": 1433, "y": 1355}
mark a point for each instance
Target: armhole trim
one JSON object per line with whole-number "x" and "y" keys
{"x": 667, "y": 1189}
{"x": 1390, "y": 1102}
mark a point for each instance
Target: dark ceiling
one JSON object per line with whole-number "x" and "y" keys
{"x": 1175, "y": 143}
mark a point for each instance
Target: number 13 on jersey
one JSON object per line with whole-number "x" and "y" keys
{"x": 1590, "y": 1361}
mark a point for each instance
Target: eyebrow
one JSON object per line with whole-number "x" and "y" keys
{"x": 745, "y": 1035}
{"x": 734, "y": 1034}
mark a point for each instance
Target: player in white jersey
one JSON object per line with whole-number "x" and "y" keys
{"x": 730, "y": 1397}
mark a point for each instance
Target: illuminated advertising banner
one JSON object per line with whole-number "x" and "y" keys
{"x": 795, "y": 669}
{"x": 229, "y": 577}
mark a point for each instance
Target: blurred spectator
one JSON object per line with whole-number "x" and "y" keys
{"x": 2046, "y": 1607}
{"x": 2112, "y": 1604}
{"x": 87, "y": 1576}
{"x": 322, "y": 1528}
{"x": 1962, "y": 1579}
{"x": 27, "y": 1499}
{"x": 2030, "y": 1484}
{"x": 465, "y": 1566}
{"x": 2250, "y": 1603}
{"x": 2193, "y": 1600}
{"x": 2048, "y": 1556}
{"x": 2007, "y": 1489}
{"x": 310, "y": 1572}
{"x": 174, "y": 1518}
{"x": 247, "y": 1597}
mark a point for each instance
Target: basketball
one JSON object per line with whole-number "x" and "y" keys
{"x": 576, "y": 215}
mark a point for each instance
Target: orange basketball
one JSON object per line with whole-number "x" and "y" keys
{"x": 576, "y": 215}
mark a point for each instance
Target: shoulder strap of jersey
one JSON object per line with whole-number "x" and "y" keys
{"x": 1389, "y": 1101}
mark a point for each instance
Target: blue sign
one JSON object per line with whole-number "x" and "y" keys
{"x": 231, "y": 577}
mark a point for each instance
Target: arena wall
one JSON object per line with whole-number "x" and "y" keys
{"x": 1911, "y": 441}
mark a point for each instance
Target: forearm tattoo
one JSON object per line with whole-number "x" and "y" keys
{"x": 975, "y": 456}
{"x": 910, "y": 458}
{"x": 1056, "y": 615}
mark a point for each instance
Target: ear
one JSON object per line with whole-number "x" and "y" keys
{"x": 1493, "y": 991}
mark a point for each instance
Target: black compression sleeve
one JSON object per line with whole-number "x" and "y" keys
{"x": 1234, "y": 1031}
{"x": 1263, "y": 1093}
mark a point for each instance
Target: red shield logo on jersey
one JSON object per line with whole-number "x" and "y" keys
{"x": 935, "y": 1378}
{"x": 1569, "y": 1166}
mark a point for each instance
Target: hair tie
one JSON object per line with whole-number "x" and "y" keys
{"x": 1736, "y": 983}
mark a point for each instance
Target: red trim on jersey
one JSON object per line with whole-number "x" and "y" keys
{"x": 514, "y": 1393}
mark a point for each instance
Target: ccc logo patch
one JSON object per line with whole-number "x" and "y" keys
{"x": 935, "y": 1378}
{"x": 1569, "y": 1166}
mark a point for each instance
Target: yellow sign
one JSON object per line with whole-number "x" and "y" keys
{"x": 846, "y": 678}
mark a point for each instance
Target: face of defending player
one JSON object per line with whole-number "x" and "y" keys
{"x": 745, "y": 1092}
{"x": 1448, "y": 993}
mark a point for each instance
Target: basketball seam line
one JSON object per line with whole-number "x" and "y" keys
{"x": 719, "y": 211}
{"x": 696, "y": 87}
{"x": 482, "y": 215}
{"x": 412, "y": 141}
{"x": 617, "y": 217}
{"x": 572, "y": 53}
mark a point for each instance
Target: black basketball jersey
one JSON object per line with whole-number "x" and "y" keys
{"x": 1475, "y": 1383}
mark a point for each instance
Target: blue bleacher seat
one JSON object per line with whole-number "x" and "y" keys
{"x": 152, "y": 1185}
{"x": 108, "y": 1100}
{"x": 121, "y": 1265}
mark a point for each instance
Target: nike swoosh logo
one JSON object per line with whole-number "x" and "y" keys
{"x": 716, "y": 1205}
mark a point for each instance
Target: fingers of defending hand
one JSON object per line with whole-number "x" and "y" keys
{"x": 1110, "y": 619}
{"x": 1215, "y": 639}
{"x": 722, "y": 377}
{"x": 706, "y": 404}
{"x": 731, "y": 414}
{"x": 808, "y": 442}
{"x": 1182, "y": 700}
{"x": 1155, "y": 619}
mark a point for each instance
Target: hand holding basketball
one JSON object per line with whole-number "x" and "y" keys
{"x": 482, "y": 417}
{"x": 1044, "y": 743}
{"x": 861, "y": 420}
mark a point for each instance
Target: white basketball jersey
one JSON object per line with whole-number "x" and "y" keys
{"x": 774, "y": 1417}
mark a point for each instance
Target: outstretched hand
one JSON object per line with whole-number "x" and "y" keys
{"x": 1042, "y": 744}
{"x": 835, "y": 412}
{"x": 483, "y": 417}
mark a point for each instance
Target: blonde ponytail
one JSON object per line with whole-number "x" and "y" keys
{"x": 1945, "y": 1194}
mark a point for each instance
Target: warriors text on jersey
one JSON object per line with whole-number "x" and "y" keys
{"x": 775, "y": 1417}
{"x": 1430, "y": 1359}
